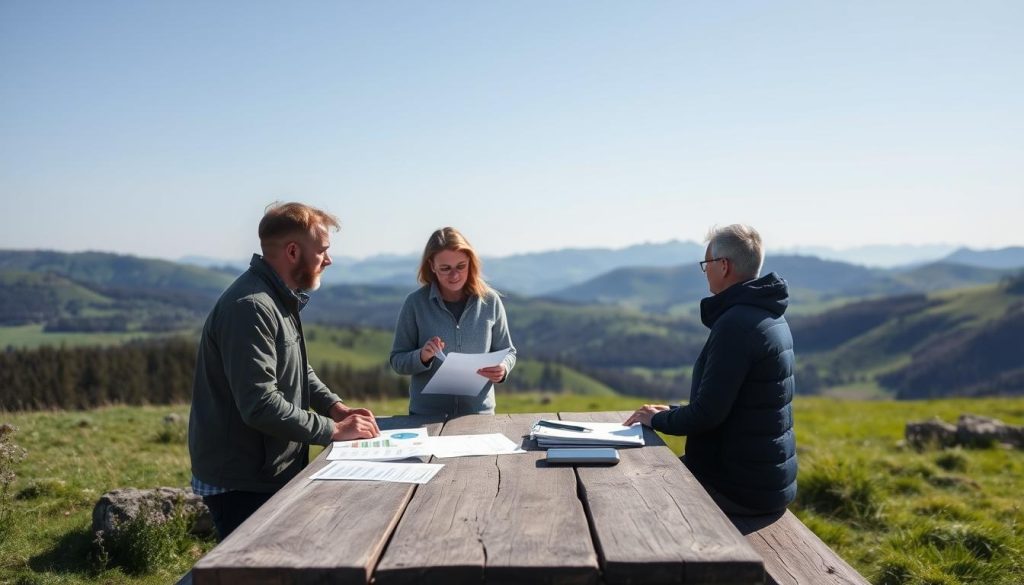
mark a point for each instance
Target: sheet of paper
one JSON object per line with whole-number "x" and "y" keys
{"x": 470, "y": 445}
{"x": 381, "y": 453}
{"x": 379, "y": 471}
{"x": 457, "y": 374}
{"x": 389, "y": 446}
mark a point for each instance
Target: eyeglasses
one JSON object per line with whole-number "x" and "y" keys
{"x": 704, "y": 263}
{"x": 446, "y": 270}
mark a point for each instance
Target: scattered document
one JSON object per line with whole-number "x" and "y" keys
{"x": 379, "y": 471}
{"x": 586, "y": 434}
{"x": 389, "y": 446}
{"x": 399, "y": 444}
{"x": 470, "y": 445}
{"x": 457, "y": 374}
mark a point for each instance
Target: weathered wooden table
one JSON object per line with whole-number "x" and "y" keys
{"x": 498, "y": 519}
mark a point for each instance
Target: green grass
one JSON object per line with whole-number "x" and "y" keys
{"x": 359, "y": 348}
{"x": 529, "y": 372}
{"x": 896, "y": 514}
{"x": 73, "y": 458}
{"x": 904, "y": 516}
{"x": 32, "y": 336}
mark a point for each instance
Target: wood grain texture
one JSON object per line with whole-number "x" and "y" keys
{"x": 314, "y": 531}
{"x": 793, "y": 555}
{"x": 654, "y": 523}
{"x": 493, "y": 519}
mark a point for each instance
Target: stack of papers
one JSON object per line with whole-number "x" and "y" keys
{"x": 598, "y": 434}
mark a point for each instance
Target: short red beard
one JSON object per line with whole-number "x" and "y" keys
{"x": 306, "y": 278}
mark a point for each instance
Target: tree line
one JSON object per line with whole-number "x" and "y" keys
{"x": 141, "y": 372}
{"x": 160, "y": 371}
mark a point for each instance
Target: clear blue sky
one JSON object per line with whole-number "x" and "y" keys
{"x": 164, "y": 128}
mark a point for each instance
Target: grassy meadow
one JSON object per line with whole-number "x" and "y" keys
{"x": 33, "y": 335}
{"x": 896, "y": 514}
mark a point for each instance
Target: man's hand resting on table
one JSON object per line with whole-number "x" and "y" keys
{"x": 644, "y": 414}
{"x": 353, "y": 423}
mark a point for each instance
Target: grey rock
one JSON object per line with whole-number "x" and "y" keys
{"x": 173, "y": 419}
{"x": 982, "y": 431}
{"x": 119, "y": 506}
{"x": 930, "y": 432}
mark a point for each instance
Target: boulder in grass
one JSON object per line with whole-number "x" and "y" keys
{"x": 930, "y": 432}
{"x": 118, "y": 507}
{"x": 982, "y": 431}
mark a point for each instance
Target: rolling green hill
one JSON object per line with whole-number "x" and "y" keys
{"x": 116, "y": 270}
{"x": 93, "y": 292}
{"x": 965, "y": 341}
{"x": 32, "y": 297}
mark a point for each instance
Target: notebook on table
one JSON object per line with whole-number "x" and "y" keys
{"x": 565, "y": 433}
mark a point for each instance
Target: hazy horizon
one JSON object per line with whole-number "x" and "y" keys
{"x": 923, "y": 251}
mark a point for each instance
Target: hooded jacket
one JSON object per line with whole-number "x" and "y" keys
{"x": 739, "y": 422}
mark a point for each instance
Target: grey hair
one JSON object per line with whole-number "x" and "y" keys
{"x": 741, "y": 244}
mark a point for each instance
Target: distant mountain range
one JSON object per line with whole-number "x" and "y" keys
{"x": 553, "y": 273}
{"x": 876, "y": 256}
{"x": 814, "y": 284}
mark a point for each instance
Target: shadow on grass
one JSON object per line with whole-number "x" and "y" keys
{"x": 72, "y": 554}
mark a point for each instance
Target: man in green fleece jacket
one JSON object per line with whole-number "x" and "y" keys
{"x": 251, "y": 425}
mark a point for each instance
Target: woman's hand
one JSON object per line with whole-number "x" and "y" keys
{"x": 433, "y": 347}
{"x": 644, "y": 414}
{"x": 493, "y": 373}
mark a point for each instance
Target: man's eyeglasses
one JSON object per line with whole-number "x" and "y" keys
{"x": 704, "y": 263}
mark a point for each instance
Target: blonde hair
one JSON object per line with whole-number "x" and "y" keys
{"x": 449, "y": 238}
{"x": 741, "y": 244}
{"x": 282, "y": 220}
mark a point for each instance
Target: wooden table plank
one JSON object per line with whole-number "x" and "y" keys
{"x": 496, "y": 519}
{"x": 650, "y": 515}
{"x": 794, "y": 555}
{"x": 314, "y": 531}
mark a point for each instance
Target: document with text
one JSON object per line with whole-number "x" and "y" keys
{"x": 391, "y": 445}
{"x": 379, "y": 471}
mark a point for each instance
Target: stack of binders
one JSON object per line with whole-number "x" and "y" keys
{"x": 563, "y": 433}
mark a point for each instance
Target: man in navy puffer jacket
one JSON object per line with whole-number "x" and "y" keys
{"x": 739, "y": 422}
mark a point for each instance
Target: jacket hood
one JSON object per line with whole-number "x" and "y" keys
{"x": 770, "y": 292}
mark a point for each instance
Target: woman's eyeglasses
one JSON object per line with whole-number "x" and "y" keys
{"x": 446, "y": 270}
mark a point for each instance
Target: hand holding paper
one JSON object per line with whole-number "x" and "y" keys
{"x": 460, "y": 373}
{"x": 493, "y": 373}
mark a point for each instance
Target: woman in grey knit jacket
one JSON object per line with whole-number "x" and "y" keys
{"x": 456, "y": 311}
